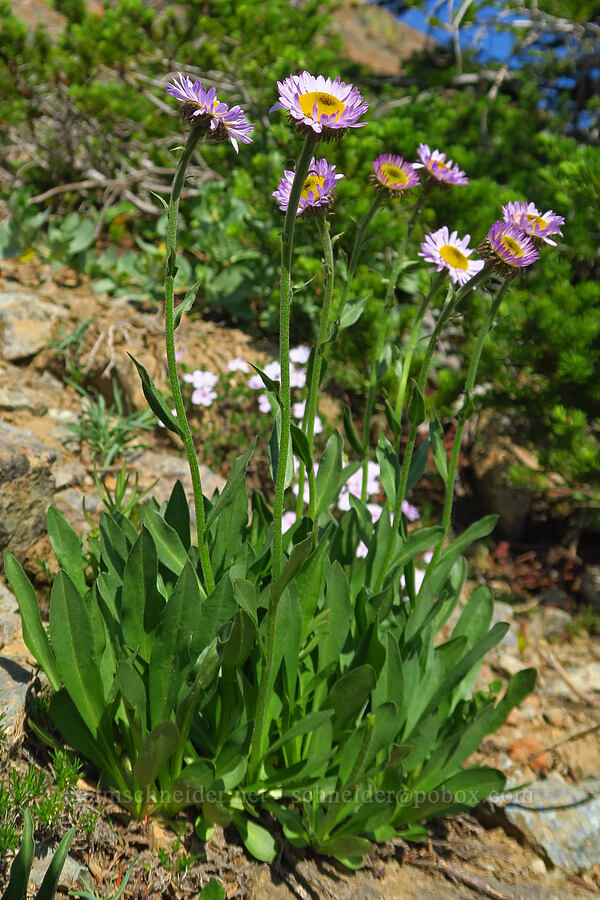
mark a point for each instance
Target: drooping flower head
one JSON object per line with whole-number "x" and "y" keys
{"x": 324, "y": 106}
{"x": 448, "y": 251}
{"x": 202, "y": 108}
{"x": 317, "y": 189}
{"x": 530, "y": 220}
{"x": 444, "y": 171}
{"x": 508, "y": 248}
{"x": 394, "y": 174}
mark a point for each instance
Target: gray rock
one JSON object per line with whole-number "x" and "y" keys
{"x": 72, "y": 871}
{"x": 68, "y": 474}
{"x": 561, "y": 821}
{"x": 10, "y": 620}
{"x": 26, "y": 323}
{"x": 26, "y": 488}
{"x": 13, "y": 399}
{"x": 589, "y": 586}
{"x": 549, "y": 622}
{"x": 14, "y": 680}
{"x": 586, "y": 679}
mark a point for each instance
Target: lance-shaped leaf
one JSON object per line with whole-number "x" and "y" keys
{"x": 73, "y": 641}
{"x": 157, "y": 749}
{"x": 170, "y": 657}
{"x": 21, "y": 867}
{"x": 34, "y": 633}
{"x": 156, "y": 400}
{"x": 67, "y": 546}
{"x": 186, "y": 304}
{"x": 141, "y": 602}
{"x": 235, "y": 483}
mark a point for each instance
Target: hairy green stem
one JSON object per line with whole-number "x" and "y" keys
{"x": 383, "y": 331}
{"x": 412, "y": 343}
{"x": 287, "y": 246}
{"x": 310, "y": 410}
{"x": 446, "y": 312}
{"x": 359, "y": 242}
{"x": 186, "y": 435}
{"x": 463, "y": 417}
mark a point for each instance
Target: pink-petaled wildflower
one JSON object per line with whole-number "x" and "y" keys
{"x": 530, "y": 220}
{"x": 238, "y": 365}
{"x": 439, "y": 167}
{"x": 323, "y": 106}
{"x": 287, "y": 520}
{"x": 203, "y": 383}
{"x": 394, "y": 174}
{"x": 508, "y": 248}
{"x": 297, "y": 377}
{"x": 300, "y": 354}
{"x": 204, "y": 110}
{"x": 448, "y": 251}
{"x": 411, "y": 512}
{"x": 317, "y": 190}
{"x": 354, "y": 485}
{"x": 263, "y": 403}
{"x": 362, "y": 550}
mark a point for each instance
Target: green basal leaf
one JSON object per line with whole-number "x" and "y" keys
{"x": 141, "y": 603}
{"x": 259, "y": 842}
{"x": 212, "y": 891}
{"x": 34, "y": 633}
{"x": 21, "y": 867}
{"x": 418, "y": 464}
{"x": 72, "y": 641}
{"x": 177, "y": 514}
{"x": 170, "y": 550}
{"x": 473, "y": 533}
{"x": 49, "y": 884}
{"x": 67, "y": 546}
{"x": 235, "y": 483}
{"x": 348, "y": 695}
{"x": 156, "y": 751}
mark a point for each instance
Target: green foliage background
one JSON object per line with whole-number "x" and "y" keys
{"x": 93, "y": 102}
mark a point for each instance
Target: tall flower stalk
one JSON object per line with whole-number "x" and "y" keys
{"x": 452, "y": 300}
{"x": 186, "y": 434}
{"x": 463, "y": 416}
{"x": 319, "y": 353}
{"x": 285, "y": 302}
{"x": 382, "y": 336}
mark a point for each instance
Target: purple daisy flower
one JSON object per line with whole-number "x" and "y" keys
{"x": 325, "y": 106}
{"x": 530, "y": 220}
{"x": 508, "y": 248}
{"x": 201, "y": 106}
{"x": 448, "y": 251}
{"x": 394, "y": 174}
{"x": 438, "y": 167}
{"x": 317, "y": 189}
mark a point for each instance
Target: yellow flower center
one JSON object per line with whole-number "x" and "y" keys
{"x": 393, "y": 174}
{"x": 454, "y": 257}
{"x": 537, "y": 220}
{"x": 511, "y": 245}
{"x": 311, "y": 184}
{"x": 327, "y": 104}
{"x": 437, "y": 164}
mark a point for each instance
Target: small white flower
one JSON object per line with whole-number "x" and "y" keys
{"x": 300, "y": 354}
{"x": 263, "y": 403}
{"x": 238, "y": 365}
